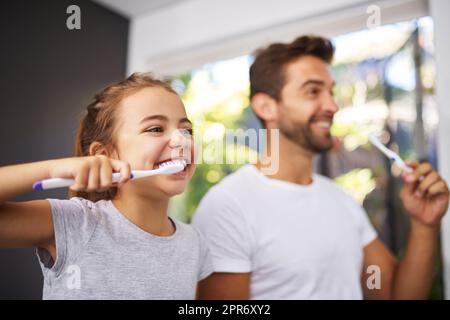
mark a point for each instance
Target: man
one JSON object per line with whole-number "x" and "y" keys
{"x": 294, "y": 234}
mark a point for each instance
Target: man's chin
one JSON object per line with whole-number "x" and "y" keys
{"x": 310, "y": 140}
{"x": 323, "y": 146}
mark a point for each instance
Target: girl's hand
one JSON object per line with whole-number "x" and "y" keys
{"x": 91, "y": 173}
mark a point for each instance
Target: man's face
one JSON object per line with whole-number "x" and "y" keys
{"x": 307, "y": 106}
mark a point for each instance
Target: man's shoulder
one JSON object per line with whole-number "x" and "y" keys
{"x": 235, "y": 183}
{"x": 225, "y": 198}
{"x": 244, "y": 174}
{"x": 330, "y": 187}
{"x": 325, "y": 182}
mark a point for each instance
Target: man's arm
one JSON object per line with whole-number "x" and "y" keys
{"x": 425, "y": 197}
{"x": 376, "y": 254}
{"x": 412, "y": 277}
{"x": 225, "y": 286}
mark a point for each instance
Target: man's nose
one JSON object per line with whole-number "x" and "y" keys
{"x": 330, "y": 105}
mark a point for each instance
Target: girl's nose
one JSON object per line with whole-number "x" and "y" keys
{"x": 179, "y": 139}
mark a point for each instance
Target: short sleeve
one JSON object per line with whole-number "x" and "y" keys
{"x": 74, "y": 222}
{"x": 221, "y": 222}
{"x": 206, "y": 265}
{"x": 366, "y": 230}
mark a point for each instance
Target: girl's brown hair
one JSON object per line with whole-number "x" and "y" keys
{"x": 99, "y": 122}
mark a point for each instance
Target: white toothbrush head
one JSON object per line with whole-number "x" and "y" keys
{"x": 389, "y": 153}
{"x": 166, "y": 167}
{"x": 172, "y": 166}
{"x": 380, "y": 146}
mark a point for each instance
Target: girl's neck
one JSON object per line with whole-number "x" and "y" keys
{"x": 149, "y": 214}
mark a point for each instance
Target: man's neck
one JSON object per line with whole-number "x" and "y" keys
{"x": 295, "y": 164}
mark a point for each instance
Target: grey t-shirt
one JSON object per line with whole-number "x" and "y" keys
{"x": 103, "y": 255}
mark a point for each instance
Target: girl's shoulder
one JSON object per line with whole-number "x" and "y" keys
{"x": 187, "y": 230}
{"x": 77, "y": 210}
{"x": 75, "y": 202}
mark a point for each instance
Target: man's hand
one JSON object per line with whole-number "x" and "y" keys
{"x": 425, "y": 194}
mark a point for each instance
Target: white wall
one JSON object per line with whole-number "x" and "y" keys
{"x": 440, "y": 11}
{"x": 194, "y": 32}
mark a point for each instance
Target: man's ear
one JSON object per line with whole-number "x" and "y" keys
{"x": 265, "y": 107}
{"x": 96, "y": 148}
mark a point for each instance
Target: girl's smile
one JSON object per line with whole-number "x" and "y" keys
{"x": 153, "y": 129}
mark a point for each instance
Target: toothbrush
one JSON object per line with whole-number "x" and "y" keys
{"x": 169, "y": 167}
{"x": 389, "y": 153}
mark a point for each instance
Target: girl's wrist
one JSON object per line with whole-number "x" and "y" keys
{"x": 55, "y": 169}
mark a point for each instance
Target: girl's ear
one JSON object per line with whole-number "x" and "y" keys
{"x": 96, "y": 148}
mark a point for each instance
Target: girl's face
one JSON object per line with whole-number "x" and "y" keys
{"x": 152, "y": 127}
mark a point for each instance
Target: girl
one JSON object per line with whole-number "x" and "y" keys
{"x": 112, "y": 241}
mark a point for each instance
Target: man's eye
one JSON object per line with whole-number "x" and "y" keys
{"x": 313, "y": 92}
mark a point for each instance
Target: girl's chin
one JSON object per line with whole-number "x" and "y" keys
{"x": 163, "y": 188}
{"x": 172, "y": 188}
{"x": 173, "y": 192}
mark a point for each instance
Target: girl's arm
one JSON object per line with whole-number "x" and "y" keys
{"x": 24, "y": 224}
{"x": 29, "y": 224}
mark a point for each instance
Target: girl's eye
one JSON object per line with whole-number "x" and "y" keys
{"x": 154, "y": 129}
{"x": 187, "y": 132}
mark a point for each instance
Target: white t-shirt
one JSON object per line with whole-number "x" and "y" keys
{"x": 298, "y": 242}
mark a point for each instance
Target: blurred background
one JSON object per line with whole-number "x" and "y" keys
{"x": 390, "y": 69}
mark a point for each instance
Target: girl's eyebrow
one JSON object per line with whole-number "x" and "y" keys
{"x": 156, "y": 116}
{"x": 162, "y": 118}
{"x": 185, "y": 120}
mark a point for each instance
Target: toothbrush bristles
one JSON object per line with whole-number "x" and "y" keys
{"x": 172, "y": 162}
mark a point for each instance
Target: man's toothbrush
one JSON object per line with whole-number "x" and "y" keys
{"x": 168, "y": 167}
{"x": 389, "y": 153}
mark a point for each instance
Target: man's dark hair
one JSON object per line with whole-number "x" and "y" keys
{"x": 267, "y": 73}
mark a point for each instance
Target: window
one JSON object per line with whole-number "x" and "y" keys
{"x": 384, "y": 83}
